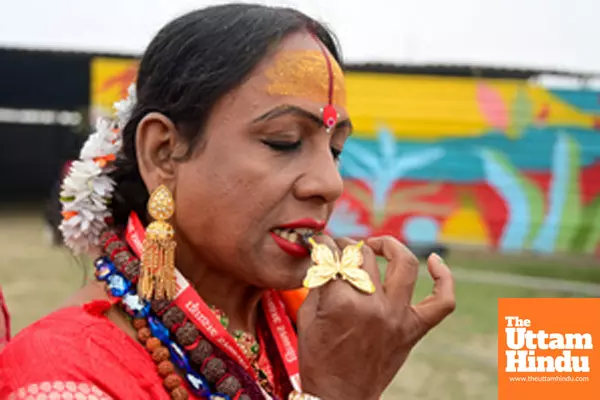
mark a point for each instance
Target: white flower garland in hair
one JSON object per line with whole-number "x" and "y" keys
{"x": 124, "y": 108}
{"x": 87, "y": 190}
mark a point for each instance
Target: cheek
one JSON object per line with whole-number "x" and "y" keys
{"x": 226, "y": 199}
{"x": 199, "y": 199}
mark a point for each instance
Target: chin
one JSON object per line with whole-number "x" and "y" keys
{"x": 289, "y": 277}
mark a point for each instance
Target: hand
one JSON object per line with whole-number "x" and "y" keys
{"x": 351, "y": 345}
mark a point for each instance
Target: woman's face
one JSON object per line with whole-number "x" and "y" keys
{"x": 266, "y": 171}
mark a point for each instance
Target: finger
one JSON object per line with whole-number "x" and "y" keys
{"x": 335, "y": 290}
{"x": 402, "y": 268}
{"x": 308, "y": 308}
{"x": 370, "y": 261}
{"x": 329, "y": 242}
{"x": 442, "y": 300}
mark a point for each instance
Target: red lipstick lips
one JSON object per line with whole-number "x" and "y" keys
{"x": 308, "y": 223}
{"x": 289, "y": 237}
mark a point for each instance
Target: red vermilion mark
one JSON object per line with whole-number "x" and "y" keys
{"x": 328, "y": 113}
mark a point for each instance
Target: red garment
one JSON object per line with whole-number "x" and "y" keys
{"x": 78, "y": 353}
{"x": 4, "y": 322}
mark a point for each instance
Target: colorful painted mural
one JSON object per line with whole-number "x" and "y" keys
{"x": 500, "y": 164}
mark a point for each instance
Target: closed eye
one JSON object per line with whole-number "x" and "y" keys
{"x": 286, "y": 146}
{"x": 283, "y": 145}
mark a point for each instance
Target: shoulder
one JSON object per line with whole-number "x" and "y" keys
{"x": 67, "y": 335}
{"x": 75, "y": 345}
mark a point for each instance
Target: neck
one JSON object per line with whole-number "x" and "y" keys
{"x": 237, "y": 299}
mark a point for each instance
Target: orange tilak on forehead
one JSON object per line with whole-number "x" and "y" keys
{"x": 311, "y": 74}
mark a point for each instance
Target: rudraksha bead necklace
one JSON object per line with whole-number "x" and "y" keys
{"x": 188, "y": 349}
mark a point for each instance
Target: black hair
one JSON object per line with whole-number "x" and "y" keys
{"x": 190, "y": 64}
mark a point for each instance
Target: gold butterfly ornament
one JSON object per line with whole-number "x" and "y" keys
{"x": 328, "y": 266}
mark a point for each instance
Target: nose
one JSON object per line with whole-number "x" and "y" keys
{"x": 321, "y": 180}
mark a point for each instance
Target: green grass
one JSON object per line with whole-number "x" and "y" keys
{"x": 574, "y": 269}
{"x": 35, "y": 279}
{"x": 455, "y": 361}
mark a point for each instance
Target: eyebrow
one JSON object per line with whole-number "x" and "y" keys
{"x": 288, "y": 109}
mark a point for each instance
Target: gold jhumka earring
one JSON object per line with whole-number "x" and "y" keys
{"x": 157, "y": 275}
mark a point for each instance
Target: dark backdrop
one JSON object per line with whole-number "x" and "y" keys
{"x": 32, "y": 155}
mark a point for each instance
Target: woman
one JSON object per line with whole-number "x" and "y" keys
{"x": 223, "y": 161}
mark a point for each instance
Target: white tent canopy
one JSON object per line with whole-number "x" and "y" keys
{"x": 539, "y": 34}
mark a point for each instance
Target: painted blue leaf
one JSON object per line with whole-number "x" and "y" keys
{"x": 387, "y": 144}
{"x": 381, "y": 167}
{"x": 344, "y": 222}
{"x": 500, "y": 177}
{"x": 357, "y": 162}
{"x": 559, "y": 185}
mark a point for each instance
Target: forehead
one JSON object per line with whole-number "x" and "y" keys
{"x": 301, "y": 67}
{"x": 311, "y": 74}
{"x": 295, "y": 73}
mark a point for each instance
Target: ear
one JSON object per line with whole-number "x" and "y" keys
{"x": 155, "y": 143}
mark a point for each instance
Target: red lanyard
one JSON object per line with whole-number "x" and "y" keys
{"x": 188, "y": 300}
{"x": 284, "y": 334}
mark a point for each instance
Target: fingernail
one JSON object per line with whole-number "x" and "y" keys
{"x": 439, "y": 258}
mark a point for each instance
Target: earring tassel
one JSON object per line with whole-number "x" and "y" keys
{"x": 159, "y": 273}
{"x": 165, "y": 276}
{"x": 168, "y": 272}
{"x": 148, "y": 265}
{"x": 157, "y": 280}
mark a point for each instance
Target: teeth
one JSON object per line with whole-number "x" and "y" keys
{"x": 292, "y": 235}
